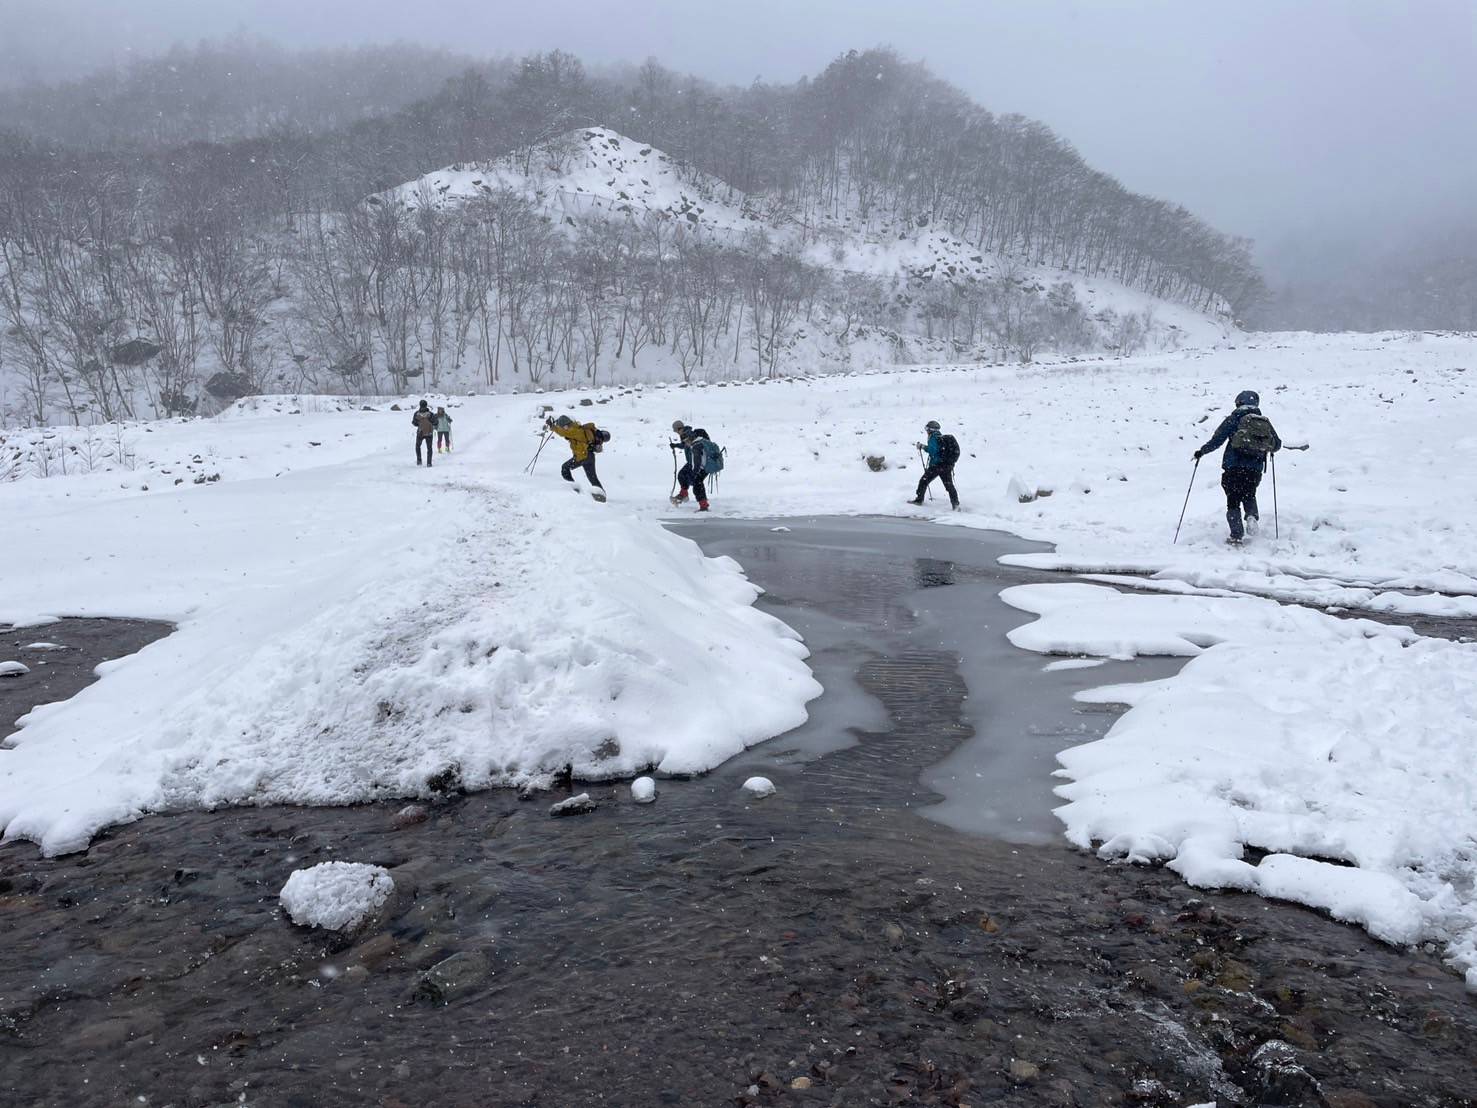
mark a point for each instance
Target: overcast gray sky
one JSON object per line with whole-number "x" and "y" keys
{"x": 1299, "y": 117}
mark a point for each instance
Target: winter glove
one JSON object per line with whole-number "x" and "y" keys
{"x": 1199, "y": 454}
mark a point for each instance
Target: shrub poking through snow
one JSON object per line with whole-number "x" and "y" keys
{"x": 336, "y": 895}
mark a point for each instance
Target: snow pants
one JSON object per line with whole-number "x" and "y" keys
{"x": 1240, "y": 489}
{"x": 443, "y": 440}
{"x": 944, "y": 474}
{"x": 429, "y": 452}
{"x": 693, "y": 476}
{"x": 588, "y": 465}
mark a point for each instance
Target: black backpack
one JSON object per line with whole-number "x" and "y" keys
{"x": 948, "y": 450}
{"x": 1254, "y": 435}
{"x": 598, "y": 438}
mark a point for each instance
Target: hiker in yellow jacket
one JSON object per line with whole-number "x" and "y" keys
{"x": 585, "y": 441}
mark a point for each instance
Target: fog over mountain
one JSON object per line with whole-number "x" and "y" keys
{"x": 1336, "y": 133}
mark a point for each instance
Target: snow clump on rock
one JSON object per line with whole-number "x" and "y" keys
{"x": 336, "y": 895}
{"x": 759, "y": 787}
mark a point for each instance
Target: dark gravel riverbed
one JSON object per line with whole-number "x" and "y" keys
{"x": 827, "y": 945}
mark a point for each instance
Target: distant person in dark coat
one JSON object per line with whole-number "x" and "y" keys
{"x": 1249, "y": 437}
{"x": 424, "y": 422}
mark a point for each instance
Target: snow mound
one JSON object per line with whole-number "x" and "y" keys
{"x": 759, "y": 787}
{"x": 335, "y": 895}
{"x": 13, "y": 669}
{"x": 500, "y": 634}
{"x": 643, "y": 790}
{"x": 1342, "y": 748}
{"x": 591, "y": 171}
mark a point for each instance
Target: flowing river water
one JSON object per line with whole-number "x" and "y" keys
{"x": 899, "y": 924}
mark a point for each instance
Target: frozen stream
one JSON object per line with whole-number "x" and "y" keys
{"x": 914, "y": 608}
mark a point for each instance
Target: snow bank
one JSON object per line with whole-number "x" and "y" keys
{"x": 1342, "y": 748}
{"x": 336, "y": 895}
{"x": 369, "y": 629}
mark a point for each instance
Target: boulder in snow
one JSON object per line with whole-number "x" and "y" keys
{"x": 13, "y": 669}
{"x": 759, "y": 787}
{"x": 336, "y": 895}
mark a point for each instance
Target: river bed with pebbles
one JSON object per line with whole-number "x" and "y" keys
{"x": 898, "y": 924}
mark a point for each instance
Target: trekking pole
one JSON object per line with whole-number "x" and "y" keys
{"x": 1187, "y": 500}
{"x": 1275, "y": 529}
{"x": 528, "y": 469}
{"x": 924, "y": 464}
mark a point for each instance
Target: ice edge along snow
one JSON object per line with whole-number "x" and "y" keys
{"x": 1289, "y": 732}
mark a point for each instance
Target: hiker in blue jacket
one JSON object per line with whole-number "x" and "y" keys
{"x": 943, "y": 453}
{"x": 1249, "y": 437}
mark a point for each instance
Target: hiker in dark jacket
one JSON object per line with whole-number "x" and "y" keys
{"x": 424, "y": 422}
{"x": 1244, "y": 461}
{"x": 942, "y": 451}
{"x": 693, "y": 442}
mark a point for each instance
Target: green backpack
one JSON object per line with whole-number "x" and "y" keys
{"x": 1254, "y": 435}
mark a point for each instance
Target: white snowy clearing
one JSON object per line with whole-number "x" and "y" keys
{"x": 336, "y": 895}
{"x": 338, "y": 606}
{"x": 360, "y": 628}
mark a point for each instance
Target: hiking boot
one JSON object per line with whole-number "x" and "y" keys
{"x": 955, "y": 505}
{"x": 1253, "y": 525}
{"x": 702, "y": 505}
{"x": 1232, "y": 540}
{"x": 917, "y": 502}
{"x": 680, "y": 498}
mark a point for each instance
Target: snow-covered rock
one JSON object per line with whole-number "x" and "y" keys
{"x": 13, "y": 669}
{"x": 336, "y": 895}
{"x": 43, "y": 646}
{"x": 643, "y": 790}
{"x": 759, "y": 787}
{"x": 573, "y": 806}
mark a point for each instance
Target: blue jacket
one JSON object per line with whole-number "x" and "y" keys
{"x": 1233, "y": 458}
{"x": 935, "y": 448}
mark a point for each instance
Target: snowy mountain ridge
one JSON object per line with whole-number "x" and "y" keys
{"x": 598, "y": 172}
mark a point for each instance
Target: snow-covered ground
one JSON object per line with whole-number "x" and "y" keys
{"x": 358, "y": 627}
{"x": 337, "y": 604}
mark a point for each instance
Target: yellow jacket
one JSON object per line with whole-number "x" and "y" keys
{"x": 580, "y": 436}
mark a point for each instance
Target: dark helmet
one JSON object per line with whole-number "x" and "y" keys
{"x": 932, "y": 425}
{"x": 1247, "y": 398}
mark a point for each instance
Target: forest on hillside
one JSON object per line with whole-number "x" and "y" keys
{"x": 155, "y": 223}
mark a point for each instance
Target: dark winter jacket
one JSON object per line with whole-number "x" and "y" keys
{"x": 1233, "y": 458}
{"x": 694, "y": 447}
